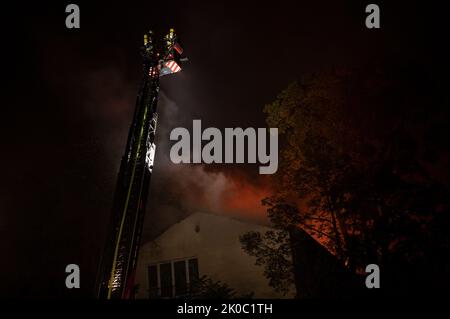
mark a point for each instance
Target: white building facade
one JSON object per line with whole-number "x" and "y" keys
{"x": 201, "y": 244}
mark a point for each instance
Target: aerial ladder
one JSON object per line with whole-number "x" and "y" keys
{"x": 115, "y": 279}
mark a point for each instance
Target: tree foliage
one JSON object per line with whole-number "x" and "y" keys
{"x": 359, "y": 156}
{"x": 272, "y": 250}
{"x": 206, "y": 288}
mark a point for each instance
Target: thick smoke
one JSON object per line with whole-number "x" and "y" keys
{"x": 178, "y": 190}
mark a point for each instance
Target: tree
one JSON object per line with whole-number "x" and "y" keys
{"x": 355, "y": 170}
{"x": 273, "y": 251}
{"x": 206, "y": 288}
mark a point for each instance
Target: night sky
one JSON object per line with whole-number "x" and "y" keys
{"x": 70, "y": 94}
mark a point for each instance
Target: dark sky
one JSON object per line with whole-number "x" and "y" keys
{"x": 70, "y": 96}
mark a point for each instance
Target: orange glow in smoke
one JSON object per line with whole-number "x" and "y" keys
{"x": 244, "y": 199}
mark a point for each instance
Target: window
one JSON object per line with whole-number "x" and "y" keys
{"x": 165, "y": 271}
{"x": 153, "y": 281}
{"x": 193, "y": 270}
{"x": 172, "y": 278}
{"x": 180, "y": 278}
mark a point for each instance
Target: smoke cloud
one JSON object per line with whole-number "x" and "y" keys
{"x": 176, "y": 190}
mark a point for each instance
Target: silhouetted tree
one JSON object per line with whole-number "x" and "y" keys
{"x": 359, "y": 171}
{"x": 272, "y": 250}
{"x": 206, "y": 288}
